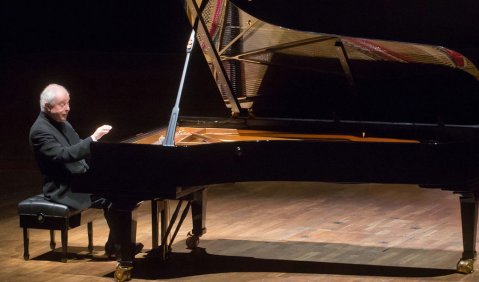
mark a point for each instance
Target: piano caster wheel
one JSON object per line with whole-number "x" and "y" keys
{"x": 26, "y": 257}
{"x": 52, "y": 246}
{"x": 122, "y": 273}
{"x": 465, "y": 266}
{"x": 192, "y": 241}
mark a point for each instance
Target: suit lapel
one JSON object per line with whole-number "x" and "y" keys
{"x": 63, "y": 133}
{"x": 71, "y": 137}
{"x": 57, "y": 130}
{"x": 70, "y": 133}
{"x": 59, "y": 135}
{"x": 63, "y": 130}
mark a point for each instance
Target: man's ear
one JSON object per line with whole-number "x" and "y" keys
{"x": 48, "y": 107}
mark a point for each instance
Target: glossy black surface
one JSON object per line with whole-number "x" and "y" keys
{"x": 156, "y": 171}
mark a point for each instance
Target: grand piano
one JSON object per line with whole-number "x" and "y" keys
{"x": 327, "y": 91}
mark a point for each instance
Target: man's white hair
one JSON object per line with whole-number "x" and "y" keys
{"x": 48, "y": 95}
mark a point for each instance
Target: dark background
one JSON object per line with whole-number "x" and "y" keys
{"x": 451, "y": 24}
{"x": 121, "y": 61}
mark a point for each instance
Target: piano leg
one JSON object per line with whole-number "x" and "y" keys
{"x": 198, "y": 212}
{"x": 127, "y": 217}
{"x": 165, "y": 219}
{"x": 159, "y": 226}
{"x": 155, "y": 208}
{"x": 469, "y": 205}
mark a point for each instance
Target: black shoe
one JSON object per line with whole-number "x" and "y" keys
{"x": 135, "y": 250}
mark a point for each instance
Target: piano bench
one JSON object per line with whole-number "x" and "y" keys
{"x": 38, "y": 213}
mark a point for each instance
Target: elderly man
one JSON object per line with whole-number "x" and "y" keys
{"x": 60, "y": 154}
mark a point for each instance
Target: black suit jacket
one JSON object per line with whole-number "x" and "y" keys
{"x": 60, "y": 154}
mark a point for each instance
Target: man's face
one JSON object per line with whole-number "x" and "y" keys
{"x": 59, "y": 111}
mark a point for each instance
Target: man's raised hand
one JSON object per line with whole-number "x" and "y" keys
{"x": 102, "y": 130}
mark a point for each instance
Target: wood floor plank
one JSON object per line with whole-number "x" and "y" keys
{"x": 270, "y": 232}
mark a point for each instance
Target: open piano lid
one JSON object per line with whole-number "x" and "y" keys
{"x": 279, "y": 72}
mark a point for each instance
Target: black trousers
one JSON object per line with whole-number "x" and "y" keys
{"x": 111, "y": 217}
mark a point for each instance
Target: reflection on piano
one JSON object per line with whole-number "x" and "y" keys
{"x": 306, "y": 106}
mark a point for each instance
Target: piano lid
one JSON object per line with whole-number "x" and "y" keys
{"x": 284, "y": 73}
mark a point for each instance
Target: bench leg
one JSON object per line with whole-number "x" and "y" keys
{"x": 64, "y": 244}
{"x": 52, "y": 240}
{"x": 90, "y": 237}
{"x": 26, "y": 241}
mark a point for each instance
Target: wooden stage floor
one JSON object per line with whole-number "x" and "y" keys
{"x": 264, "y": 232}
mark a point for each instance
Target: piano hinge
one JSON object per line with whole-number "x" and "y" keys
{"x": 243, "y": 113}
{"x": 250, "y": 114}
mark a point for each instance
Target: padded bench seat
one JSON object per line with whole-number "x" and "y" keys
{"x": 38, "y": 213}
